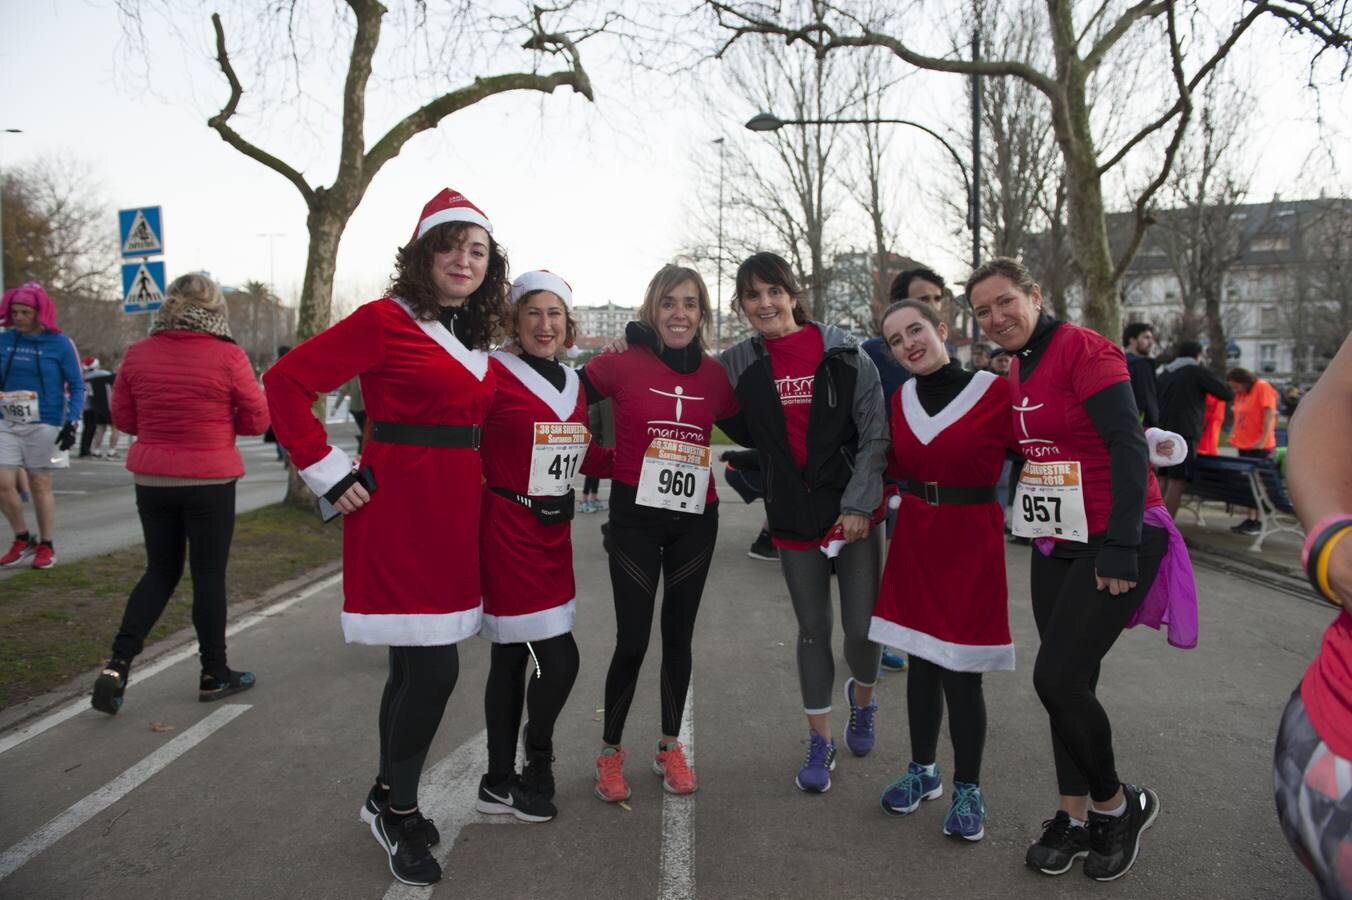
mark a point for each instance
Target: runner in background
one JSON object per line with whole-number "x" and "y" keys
{"x": 1101, "y": 537}
{"x": 813, "y": 407}
{"x": 1254, "y": 433}
{"x": 411, "y": 533}
{"x": 535, "y": 442}
{"x": 41, "y": 400}
{"x": 663, "y": 508}
{"x": 601, "y": 421}
{"x": 356, "y": 406}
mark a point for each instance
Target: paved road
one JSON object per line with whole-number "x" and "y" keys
{"x": 259, "y": 797}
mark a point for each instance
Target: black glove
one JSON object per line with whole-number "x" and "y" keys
{"x": 66, "y": 439}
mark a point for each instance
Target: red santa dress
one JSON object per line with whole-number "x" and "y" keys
{"x": 410, "y": 555}
{"x": 526, "y": 566}
{"x": 944, "y": 596}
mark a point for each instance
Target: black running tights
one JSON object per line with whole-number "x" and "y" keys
{"x": 544, "y": 692}
{"x": 196, "y": 522}
{"x": 927, "y": 685}
{"x": 679, "y": 547}
{"x": 420, "y": 682}
{"x": 1078, "y": 625}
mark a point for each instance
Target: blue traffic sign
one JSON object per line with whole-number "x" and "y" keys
{"x": 142, "y": 286}
{"x": 140, "y": 232}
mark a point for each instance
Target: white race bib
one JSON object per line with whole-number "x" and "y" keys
{"x": 675, "y": 476}
{"x": 1050, "y": 502}
{"x": 20, "y": 407}
{"x": 555, "y": 457}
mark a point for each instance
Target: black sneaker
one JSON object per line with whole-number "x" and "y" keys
{"x": 377, "y": 797}
{"x": 763, "y": 548}
{"x": 1248, "y": 527}
{"x": 410, "y": 859}
{"x": 1062, "y": 843}
{"x": 1114, "y": 841}
{"x": 511, "y": 798}
{"x": 537, "y": 775}
{"x": 211, "y": 688}
{"x": 110, "y": 686}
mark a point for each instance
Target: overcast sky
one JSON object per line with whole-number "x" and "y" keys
{"x": 600, "y": 193}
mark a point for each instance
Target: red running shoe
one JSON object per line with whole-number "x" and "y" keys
{"x": 18, "y": 552}
{"x": 610, "y": 784}
{"x": 44, "y": 557}
{"x": 677, "y": 776}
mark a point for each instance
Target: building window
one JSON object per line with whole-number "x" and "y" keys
{"x": 1267, "y": 358}
{"x": 1270, "y": 244}
{"x": 1268, "y": 322}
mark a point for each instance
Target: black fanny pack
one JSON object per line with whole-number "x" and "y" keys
{"x": 549, "y": 510}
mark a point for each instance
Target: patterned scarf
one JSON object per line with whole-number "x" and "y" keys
{"x": 191, "y": 317}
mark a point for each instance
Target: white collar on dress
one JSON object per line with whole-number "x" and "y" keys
{"x": 926, "y": 427}
{"x": 561, "y": 402}
{"x": 476, "y": 361}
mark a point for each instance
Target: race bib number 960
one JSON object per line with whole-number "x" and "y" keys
{"x": 1050, "y": 502}
{"x": 556, "y": 455}
{"x": 675, "y": 476}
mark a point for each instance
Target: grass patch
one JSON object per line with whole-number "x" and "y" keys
{"x": 59, "y": 622}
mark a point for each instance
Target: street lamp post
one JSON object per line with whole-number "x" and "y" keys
{"x": 272, "y": 284}
{"x": 770, "y": 122}
{"x": 2, "y": 216}
{"x": 718, "y": 310}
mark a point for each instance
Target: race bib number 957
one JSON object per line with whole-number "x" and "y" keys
{"x": 1050, "y": 502}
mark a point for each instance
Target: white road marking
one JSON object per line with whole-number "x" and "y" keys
{"x": 75, "y": 707}
{"x": 115, "y": 790}
{"x": 55, "y": 491}
{"x": 677, "y": 878}
{"x": 447, "y": 794}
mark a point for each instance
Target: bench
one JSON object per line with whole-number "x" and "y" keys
{"x": 1248, "y": 483}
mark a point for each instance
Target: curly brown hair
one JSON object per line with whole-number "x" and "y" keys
{"x": 412, "y": 283}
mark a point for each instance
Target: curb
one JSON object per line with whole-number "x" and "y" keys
{"x": 21, "y": 713}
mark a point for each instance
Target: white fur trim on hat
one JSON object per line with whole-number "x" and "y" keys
{"x": 541, "y": 280}
{"x": 450, "y": 206}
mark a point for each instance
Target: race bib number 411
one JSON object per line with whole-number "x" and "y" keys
{"x": 555, "y": 457}
{"x": 1050, "y": 502}
{"x": 675, "y": 476}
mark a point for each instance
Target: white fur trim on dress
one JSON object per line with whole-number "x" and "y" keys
{"x": 475, "y": 361}
{"x": 562, "y": 403}
{"x": 926, "y": 427}
{"x": 1156, "y": 436}
{"x": 536, "y": 626}
{"x": 412, "y": 630}
{"x": 954, "y": 657}
{"x": 330, "y": 470}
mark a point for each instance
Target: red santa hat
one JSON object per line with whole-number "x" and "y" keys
{"x": 834, "y": 541}
{"x": 450, "y": 206}
{"x": 541, "y": 280}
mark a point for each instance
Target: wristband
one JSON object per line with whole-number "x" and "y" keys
{"x": 1319, "y": 547}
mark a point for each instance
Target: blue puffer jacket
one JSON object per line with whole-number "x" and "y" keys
{"x": 45, "y": 363}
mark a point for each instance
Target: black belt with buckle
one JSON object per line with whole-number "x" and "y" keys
{"x": 464, "y": 437}
{"x": 936, "y": 494}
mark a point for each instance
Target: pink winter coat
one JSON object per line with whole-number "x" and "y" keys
{"x": 186, "y": 395}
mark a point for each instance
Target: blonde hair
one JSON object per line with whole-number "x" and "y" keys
{"x": 195, "y": 289}
{"x": 667, "y": 279}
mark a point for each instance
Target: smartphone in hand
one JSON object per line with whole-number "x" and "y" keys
{"x": 365, "y": 477}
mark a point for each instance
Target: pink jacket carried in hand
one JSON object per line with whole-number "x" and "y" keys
{"x": 186, "y": 395}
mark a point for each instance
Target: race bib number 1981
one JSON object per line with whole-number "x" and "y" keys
{"x": 19, "y": 406}
{"x": 675, "y": 476}
{"x": 556, "y": 456}
{"x": 1050, "y": 502}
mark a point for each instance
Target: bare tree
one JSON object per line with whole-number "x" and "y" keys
{"x": 56, "y": 230}
{"x": 1081, "y": 47}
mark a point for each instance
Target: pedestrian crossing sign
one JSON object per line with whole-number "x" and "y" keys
{"x": 140, "y": 231}
{"x": 142, "y": 286}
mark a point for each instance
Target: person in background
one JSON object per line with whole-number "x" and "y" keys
{"x": 1000, "y": 361}
{"x": 1213, "y": 420}
{"x": 1313, "y": 758}
{"x": 356, "y": 406}
{"x": 98, "y": 403}
{"x": 1186, "y": 386}
{"x": 1254, "y": 433}
{"x": 268, "y": 436}
{"x": 186, "y": 392}
{"x": 601, "y": 422}
{"x": 41, "y": 399}
{"x": 1138, "y": 339}
{"x": 981, "y": 358}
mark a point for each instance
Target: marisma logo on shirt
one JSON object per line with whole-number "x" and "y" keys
{"x": 1033, "y": 447}
{"x": 795, "y": 391}
{"x": 674, "y": 428}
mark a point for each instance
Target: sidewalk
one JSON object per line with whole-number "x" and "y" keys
{"x": 1277, "y": 564}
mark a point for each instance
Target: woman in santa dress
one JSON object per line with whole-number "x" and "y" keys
{"x": 421, "y": 355}
{"x": 535, "y": 442}
{"x": 943, "y": 597}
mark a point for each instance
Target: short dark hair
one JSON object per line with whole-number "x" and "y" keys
{"x": 981, "y": 348}
{"x": 771, "y": 269}
{"x": 412, "y": 283}
{"x": 901, "y": 285}
{"x": 1241, "y": 376}
{"x": 1190, "y": 349}
{"x": 1135, "y": 330}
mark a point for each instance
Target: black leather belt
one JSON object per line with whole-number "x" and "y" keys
{"x": 454, "y": 436}
{"x": 936, "y": 494}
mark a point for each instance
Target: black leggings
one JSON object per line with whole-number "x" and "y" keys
{"x": 644, "y": 544}
{"x": 591, "y": 484}
{"x": 507, "y": 688}
{"x": 195, "y": 522}
{"x": 927, "y": 684}
{"x": 420, "y": 682}
{"x": 1078, "y": 625}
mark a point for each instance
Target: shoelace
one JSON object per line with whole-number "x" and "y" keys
{"x": 611, "y": 766}
{"x": 964, "y": 801}
{"x": 675, "y": 763}
{"x": 861, "y": 718}
{"x": 910, "y": 782}
{"x": 818, "y": 751}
